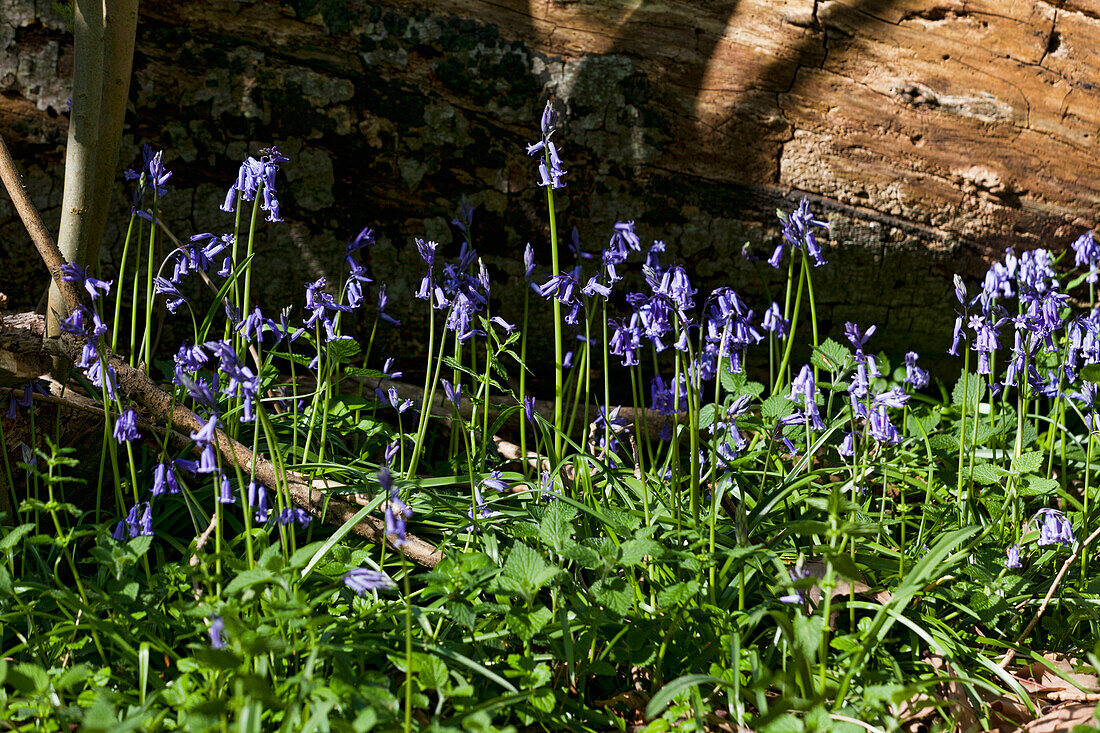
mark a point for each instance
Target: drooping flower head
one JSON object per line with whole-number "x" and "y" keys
{"x": 798, "y": 233}
{"x": 361, "y": 580}
{"x": 550, "y": 171}
{"x": 1054, "y": 527}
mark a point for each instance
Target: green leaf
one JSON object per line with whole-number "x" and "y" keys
{"x": 968, "y": 392}
{"x": 614, "y": 594}
{"x": 737, "y": 384}
{"x": 807, "y": 634}
{"x": 1028, "y": 462}
{"x": 527, "y": 568}
{"x": 666, "y": 694}
{"x": 246, "y": 579}
{"x": 525, "y": 624}
{"x": 988, "y": 475}
{"x": 556, "y": 527}
{"x": 776, "y": 407}
{"x": 11, "y": 539}
{"x": 583, "y": 555}
{"x": 1039, "y": 486}
{"x": 633, "y": 551}
{"x": 342, "y": 349}
{"x": 706, "y": 415}
{"x": 677, "y": 594}
{"x": 1090, "y": 372}
{"x": 831, "y": 356}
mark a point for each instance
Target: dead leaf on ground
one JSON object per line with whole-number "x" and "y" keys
{"x": 1061, "y": 686}
{"x": 1061, "y": 718}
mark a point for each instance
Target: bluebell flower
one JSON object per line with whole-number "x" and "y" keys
{"x": 28, "y": 454}
{"x": 1013, "y": 560}
{"x": 225, "y": 493}
{"x": 882, "y": 429}
{"x": 804, "y": 389}
{"x": 528, "y": 261}
{"x": 394, "y": 399}
{"x": 164, "y": 480}
{"x": 365, "y": 238}
{"x": 257, "y": 177}
{"x": 1086, "y": 253}
{"x": 915, "y": 377}
{"x": 564, "y": 288}
{"x": 166, "y": 287}
{"x": 529, "y": 409}
{"x": 217, "y": 628}
{"x": 72, "y": 272}
{"x": 774, "y": 321}
{"x": 296, "y": 515}
{"x": 257, "y": 500}
{"x": 361, "y": 580}
{"x": 798, "y": 233}
{"x": 383, "y": 300}
{"x": 396, "y": 512}
{"x": 391, "y": 452}
{"x": 797, "y": 573}
{"x": 1054, "y": 527}
{"x": 453, "y": 393}
{"x": 494, "y": 481}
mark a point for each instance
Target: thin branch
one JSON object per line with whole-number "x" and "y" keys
{"x": 32, "y": 220}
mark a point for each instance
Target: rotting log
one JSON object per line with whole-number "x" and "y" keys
{"x": 931, "y": 135}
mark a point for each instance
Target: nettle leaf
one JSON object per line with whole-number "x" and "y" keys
{"x": 737, "y": 383}
{"x": 1039, "y": 486}
{"x": 525, "y": 624}
{"x": 677, "y": 594}
{"x": 583, "y": 555}
{"x": 968, "y": 391}
{"x": 807, "y": 634}
{"x": 706, "y": 415}
{"x": 614, "y": 594}
{"x": 1028, "y": 462}
{"x": 987, "y": 474}
{"x": 342, "y": 349}
{"x": 831, "y": 356}
{"x": 556, "y": 527}
{"x": 775, "y": 407}
{"x": 527, "y": 568}
{"x": 633, "y": 551}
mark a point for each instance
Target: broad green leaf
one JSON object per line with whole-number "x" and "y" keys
{"x": 677, "y": 594}
{"x": 556, "y": 527}
{"x": 1028, "y": 462}
{"x": 614, "y": 594}
{"x": 706, "y": 415}
{"x": 632, "y": 551}
{"x": 525, "y": 624}
{"x": 988, "y": 475}
{"x": 775, "y": 407}
{"x": 968, "y": 390}
{"x": 527, "y": 568}
{"x": 11, "y": 539}
{"x": 831, "y": 356}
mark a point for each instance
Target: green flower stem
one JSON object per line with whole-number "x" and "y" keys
{"x": 121, "y": 281}
{"x": 559, "y": 368}
{"x": 523, "y": 383}
{"x": 782, "y": 374}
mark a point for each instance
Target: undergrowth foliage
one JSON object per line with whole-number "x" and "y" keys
{"x": 803, "y": 548}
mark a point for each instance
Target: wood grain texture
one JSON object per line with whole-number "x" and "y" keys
{"x": 931, "y": 134}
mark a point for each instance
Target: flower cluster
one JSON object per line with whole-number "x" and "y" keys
{"x": 550, "y": 172}
{"x": 257, "y": 176}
